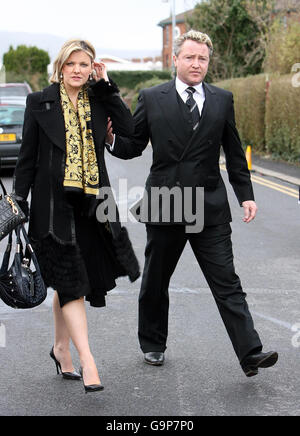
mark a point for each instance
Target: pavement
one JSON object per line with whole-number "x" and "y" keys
{"x": 278, "y": 169}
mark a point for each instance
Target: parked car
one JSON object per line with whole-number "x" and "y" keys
{"x": 11, "y": 126}
{"x": 14, "y": 89}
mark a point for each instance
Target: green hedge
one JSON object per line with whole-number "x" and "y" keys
{"x": 130, "y": 79}
{"x": 144, "y": 85}
{"x": 268, "y": 117}
{"x": 250, "y": 104}
{"x": 282, "y": 119}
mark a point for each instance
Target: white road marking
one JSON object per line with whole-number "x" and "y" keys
{"x": 274, "y": 320}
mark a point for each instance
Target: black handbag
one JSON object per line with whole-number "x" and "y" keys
{"x": 11, "y": 215}
{"x": 20, "y": 286}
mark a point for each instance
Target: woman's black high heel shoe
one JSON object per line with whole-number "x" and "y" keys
{"x": 91, "y": 388}
{"x": 67, "y": 375}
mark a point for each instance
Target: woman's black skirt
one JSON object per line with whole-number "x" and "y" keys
{"x": 87, "y": 269}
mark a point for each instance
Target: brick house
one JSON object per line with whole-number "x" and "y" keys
{"x": 181, "y": 28}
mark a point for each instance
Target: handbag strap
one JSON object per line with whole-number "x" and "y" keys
{"x": 6, "y": 256}
{"x": 3, "y": 187}
{"x": 30, "y": 250}
{"x": 19, "y": 251}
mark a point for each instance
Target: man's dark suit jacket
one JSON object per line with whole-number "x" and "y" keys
{"x": 185, "y": 159}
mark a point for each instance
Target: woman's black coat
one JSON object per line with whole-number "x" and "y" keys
{"x": 41, "y": 163}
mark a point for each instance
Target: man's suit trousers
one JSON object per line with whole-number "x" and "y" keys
{"x": 213, "y": 250}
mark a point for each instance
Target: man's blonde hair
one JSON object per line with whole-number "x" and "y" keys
{"x": 67, "y": 49}
{"x": 193, "y": 35}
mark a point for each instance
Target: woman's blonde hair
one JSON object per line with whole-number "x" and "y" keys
{"x": 67, "y": 49}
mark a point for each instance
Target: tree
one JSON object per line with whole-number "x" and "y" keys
{"x": 27, "y": 63}
{"x": 237, "y": 29}
{"x": 283, "y": 47}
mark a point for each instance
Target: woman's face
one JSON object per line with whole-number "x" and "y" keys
{"x": 76, "y": 69}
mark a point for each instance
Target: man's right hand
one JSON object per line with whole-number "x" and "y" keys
{"x": 109, "y": 133}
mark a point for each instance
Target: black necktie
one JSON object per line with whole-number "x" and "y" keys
{"x": 193, "y": 107}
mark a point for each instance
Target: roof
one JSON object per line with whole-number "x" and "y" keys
{"x": 180, "y": 18}
{"x": 107, "y": 58}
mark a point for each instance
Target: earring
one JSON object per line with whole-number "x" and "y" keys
{"x": 91, "y": 76}
{"x": 61, "y": 76}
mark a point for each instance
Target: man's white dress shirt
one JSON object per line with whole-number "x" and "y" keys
{"x": 199, "y": 95}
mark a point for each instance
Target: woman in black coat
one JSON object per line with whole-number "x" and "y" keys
{"x": 62, "y": 161}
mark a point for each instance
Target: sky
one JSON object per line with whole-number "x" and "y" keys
{"x": 115, "y": 24}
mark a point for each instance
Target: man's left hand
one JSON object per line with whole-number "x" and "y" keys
{"x": 250, "y": 210}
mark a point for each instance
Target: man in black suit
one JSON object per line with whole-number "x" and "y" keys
{"x": 187, "y": 120}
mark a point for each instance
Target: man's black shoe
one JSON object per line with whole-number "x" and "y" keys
{"x": 252, "y": 362}
{"x": 154, "y": 358}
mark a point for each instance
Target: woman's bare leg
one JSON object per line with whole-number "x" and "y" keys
{"x": 74, "y": 315}
{"x": 61, "y": 338}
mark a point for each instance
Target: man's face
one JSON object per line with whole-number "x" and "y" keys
{"x": 192, "y": 62}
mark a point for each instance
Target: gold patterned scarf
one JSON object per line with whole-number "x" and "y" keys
{"x": 81, "y": 170}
